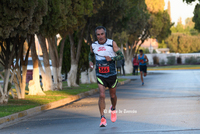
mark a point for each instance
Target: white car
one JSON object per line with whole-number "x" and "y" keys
{"x": 30, "y": 68}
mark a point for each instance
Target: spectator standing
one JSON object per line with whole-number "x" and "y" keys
{"x": 119, "y": 65}
{"x": 135, "y": 65}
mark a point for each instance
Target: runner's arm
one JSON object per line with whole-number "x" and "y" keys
{"x": 147, "y": 60}
{"x": 116, "y": 49}
{"x": 91, "y": 54}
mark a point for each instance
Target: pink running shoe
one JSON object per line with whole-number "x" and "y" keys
{"x": 103, "y": 122}
{"x": 113, "y": 115}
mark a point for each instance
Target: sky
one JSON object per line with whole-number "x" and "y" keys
{"x": 180, "y": 9}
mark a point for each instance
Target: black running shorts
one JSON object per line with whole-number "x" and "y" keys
{"x": 110, "y": 82}
{"x": 143, "y": 68}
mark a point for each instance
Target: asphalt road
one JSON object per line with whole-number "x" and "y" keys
{"x": 169, "y": 102}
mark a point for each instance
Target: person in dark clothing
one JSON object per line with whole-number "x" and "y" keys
{"x": 119, "y": 64}
{"x": 135, "y": 65}
{"x": 143, "y": 60}
{"x": 123, "y": 64}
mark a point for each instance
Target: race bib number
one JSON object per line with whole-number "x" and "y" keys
{"x": 141, "y": 61}
{"x": 105, "y": 69}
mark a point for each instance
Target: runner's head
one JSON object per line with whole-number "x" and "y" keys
{"x": 141, "y": 52}
{"x": 100, "y": 32}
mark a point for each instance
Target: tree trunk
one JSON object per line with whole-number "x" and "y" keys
{"x": 61, "y": 61}
{"x": 128, "y": 60}
{"x": 46, "y": 76}
{"x": 74, "y": 58}
{"x": 4, "y": 93}
{"x": 122, "y": 49}
{"x": 72, "y": 75}
{"x": 84, "y": 77}
{"x": 128, "y": 66}
{"x": 37, "y": 88}
{"x": 59, "y": 77}
{"x": 92, "y": 75}
{"x": 4, "y": 98}
{"x": 54, "y": 59}
{"x": 56, "y": 62}
{"x": 17, "y": 81}
{"x": 24, "y": 63}
{"x": 23, "y": 83}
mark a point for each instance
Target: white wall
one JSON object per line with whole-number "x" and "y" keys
{"x": 164, "y": 56}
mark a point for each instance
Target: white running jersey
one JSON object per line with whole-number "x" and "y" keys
{"x": 101, "y": 50}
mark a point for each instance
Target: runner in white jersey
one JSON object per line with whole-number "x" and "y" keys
{"x": 106, "y": 52}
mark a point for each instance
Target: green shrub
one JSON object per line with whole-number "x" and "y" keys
{"x": 154, "y": 51}
{"x": 171, "y": 60}
{"x": 191, "y": 60}
{"x": 198, "y": 59}
{"x": 162, "y": 62}
{"x": 145, "y": 50}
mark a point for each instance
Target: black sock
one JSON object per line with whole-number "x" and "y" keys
{"x": 102, "y": 116}
{"x": 112, "y": 109}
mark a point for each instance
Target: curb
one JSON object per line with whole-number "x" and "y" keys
{"x": 16, "y": 117}
{"x": 186, "y": 68}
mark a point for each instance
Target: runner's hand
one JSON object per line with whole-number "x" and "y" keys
{"x": 91, "y": 65}
{"x": 108, "y": 58}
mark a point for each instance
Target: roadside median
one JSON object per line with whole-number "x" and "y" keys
{"x": 13, "y": 118}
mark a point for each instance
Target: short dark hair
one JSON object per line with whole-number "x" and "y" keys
{"x": 141, "y": 51}
{"x": 101, "y": 27}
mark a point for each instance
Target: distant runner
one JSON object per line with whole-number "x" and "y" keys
{"x": 142, "y": 58}
{"x": 105, "y": 51}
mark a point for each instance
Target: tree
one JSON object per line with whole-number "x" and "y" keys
{"x": 162, "y": 45}
{"x": 183, "y": 43}
{"x": 13, "y": 32}
{"x": 155, "y": 6}
{"x": 165, "y": 30}
{"x": 169, "y": 9}
{"x": 189, "y": 27}
{"x": 53, "y": 22}
{"x": 66, "y": 63}
{"x": 82, "y": 13}
{"x": 83, "y": 62}
{"x": 137, "y": 30}
{"x": 38, "y": 15}
{"x": 33, "y": 27}
{"x": 196, "y": 18}
{"x": 189, "y": 1}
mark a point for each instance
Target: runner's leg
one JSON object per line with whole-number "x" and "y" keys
{"x": 133, "y": 70}
{"x": 101, "y": 99}
{"x": 141, "y": 75}
{"x": 113, "y": 97}
{"x": 145, "y": 73}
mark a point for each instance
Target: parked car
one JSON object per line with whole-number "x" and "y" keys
{"x": 30, "y": 69}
